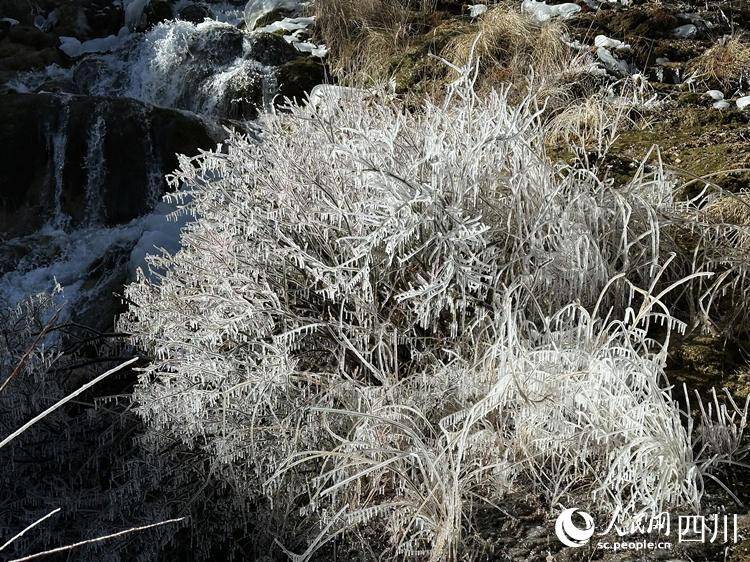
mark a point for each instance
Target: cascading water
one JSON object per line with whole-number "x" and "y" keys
{"x": 212, "y": 69}
{"x": 208, "y": 68}
{"x": 58, "y": 141}
{"x": 95, "y": 163}
{"x": 153, "y": 170}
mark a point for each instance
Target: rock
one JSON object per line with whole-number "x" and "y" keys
{"x": 721, "y": 104}
{"x": 194, "y": 13}
{"x": 715, "y": 95}
{"x": 611, "y": 63}
{"x": 274, "y": 16}
{"x": 63, "y": 152}
{"x": 298, "y": 77}
{"x": 31, "y": 37}
{"x": 270, "y": 49}
{"x": 26, "y": 48}
{"x": 257, "y": 9}
{"x": 104, "y": 17}
{"x": 20, "y": 10}
{"x": 5, "y": 25}
{"x": 218, "y": 45}
{"x": 242, "y": 97}
{"x": 21, "y": 58}
{"x": 743, "y": 103}
{"x": 156, "y": 12}
{"x": 104, "y": 280}
{"x": 72, "y": 21}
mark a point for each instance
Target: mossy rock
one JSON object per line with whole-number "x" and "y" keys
{"x": 274, "y": 16}
{"x": 414, "y": 69}
{"x": 297, "y": 77}
{"x": 271, "y": 49}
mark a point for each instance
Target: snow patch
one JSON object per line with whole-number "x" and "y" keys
{"x": 256, "y": 9}
{"x": 609, "y": 43}
{"x": 542, "y": 12}
{"x": 75, "y": 48}
{"x": 687, "y": 31}
{"x": 476, "y": 10}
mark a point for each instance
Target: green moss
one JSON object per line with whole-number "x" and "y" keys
{"x": 414, "y": 69}
{"x": 694, "y": 142}
{"x": 273, "y": 16}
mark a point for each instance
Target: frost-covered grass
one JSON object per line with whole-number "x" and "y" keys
{"x": 386, "y": 319}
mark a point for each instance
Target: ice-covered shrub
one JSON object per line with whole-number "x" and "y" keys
{"x": 391, "y": 317}
{"x": 574, "y": 410}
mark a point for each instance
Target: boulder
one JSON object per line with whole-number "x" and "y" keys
{"x": 194, "y": 13}
{"x": 275, "y": 15}
{"x": 17, "y": 57}
{"x": 156, "y": 12}
{"x": 217, "y": 46}
{"x": 20, "y": 10}
{"x": 30, "y": 36}
{"x": 270, "y": 49}
{"x": 24, "y": 47}
{"x": 298, "y": 77}
{"x": 79, "y": 160}
{"x": 104, "y": 17}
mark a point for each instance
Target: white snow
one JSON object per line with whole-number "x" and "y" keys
{"x": 541, "y": 12}
{"x": 743, "y": 102}
{"x": 476, "y": 10}
{"x": 329, "y": 95}
{"x": 307, "y": 47}
{"x": 609, "y": 43}
{"x": 687, "y": 31}
{"x": 715, "y": 94}
{"x": 74, "y": 48}
{"x": 721, "y": 104}
{"x": 287, "y": 24}
{"x": 298, "y": 27}
{"x": 256, "y": 9}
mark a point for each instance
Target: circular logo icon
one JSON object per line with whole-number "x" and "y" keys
{"x": 567, "y": 531}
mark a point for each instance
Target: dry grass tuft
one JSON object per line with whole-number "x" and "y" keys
{"x": 380, "y": 40}
{"x": 731, "y": 209}
{"x": 513, "y": 43}
{"x": 361, "y": 33}
{"x": 726, "y": 64}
